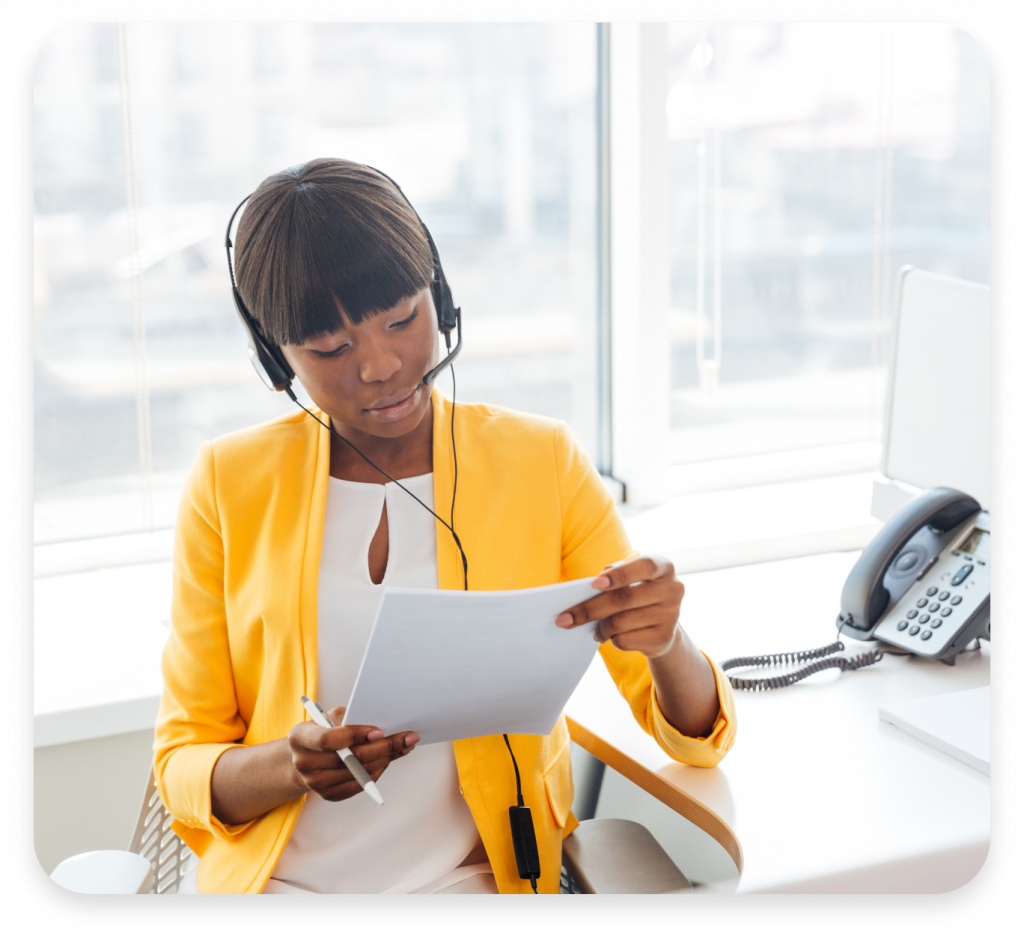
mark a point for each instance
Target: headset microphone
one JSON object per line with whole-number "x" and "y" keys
{"x": 273, "y": 368}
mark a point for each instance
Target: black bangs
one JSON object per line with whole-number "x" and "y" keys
{"x": 326, "y": 238}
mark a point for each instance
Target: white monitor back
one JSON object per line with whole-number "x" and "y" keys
{"x": 938, "y": 425}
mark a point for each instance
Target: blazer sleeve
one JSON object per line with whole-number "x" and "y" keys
{"x": 593, "y": 537}
{"x": 198, "y": 718}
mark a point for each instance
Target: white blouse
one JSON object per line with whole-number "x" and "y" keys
{"x": 416, "y": 841}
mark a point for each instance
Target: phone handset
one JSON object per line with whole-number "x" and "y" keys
{"x": 903, "y": 551}
{"x": 901, "y": 554}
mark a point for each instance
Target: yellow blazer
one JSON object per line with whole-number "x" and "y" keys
{"x": 531, "y": 510}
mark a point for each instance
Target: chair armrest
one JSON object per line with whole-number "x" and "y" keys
{"x": 613, "y": 855}
{"x": 104, "y": 872}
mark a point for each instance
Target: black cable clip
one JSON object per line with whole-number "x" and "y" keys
{"x": 524, "y": 840}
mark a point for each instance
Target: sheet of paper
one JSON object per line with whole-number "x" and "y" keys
{"x": 958, "y": 723}
{"x": 451, "y": 664}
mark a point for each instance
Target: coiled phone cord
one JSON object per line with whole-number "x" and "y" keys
{"x": 825, "y": 657}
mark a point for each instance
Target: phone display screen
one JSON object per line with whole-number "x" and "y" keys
{"x": 976, "y": 543}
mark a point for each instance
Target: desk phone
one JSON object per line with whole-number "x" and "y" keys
{"x": 920, "y": 587}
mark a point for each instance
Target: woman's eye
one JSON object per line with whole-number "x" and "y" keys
{"x": 403, "y": 323}
{"x": 329, "y": 353}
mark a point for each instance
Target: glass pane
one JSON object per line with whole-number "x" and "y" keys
{"x": 489, "y": 129}
{"x": 809, "y": 163}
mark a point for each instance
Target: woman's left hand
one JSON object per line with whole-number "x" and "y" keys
{"x": 637, "y": 609}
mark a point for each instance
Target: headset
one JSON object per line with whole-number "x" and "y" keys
{"x": 268, "y": 359}
{"x": 273, "y": 368}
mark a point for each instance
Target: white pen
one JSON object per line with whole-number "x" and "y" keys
{"x": 321, "y": 717}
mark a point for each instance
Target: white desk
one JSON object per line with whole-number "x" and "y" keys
{"x": 817, "y": 795}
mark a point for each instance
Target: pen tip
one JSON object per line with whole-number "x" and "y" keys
{"x": 305, "y": 700}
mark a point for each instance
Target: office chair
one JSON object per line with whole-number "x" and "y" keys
{"x": 608, "y": 855}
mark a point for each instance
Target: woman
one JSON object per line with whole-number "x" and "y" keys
{"x": 286, "y": 536}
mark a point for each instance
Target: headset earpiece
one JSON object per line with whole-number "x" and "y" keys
{"x": 266, "y": 358}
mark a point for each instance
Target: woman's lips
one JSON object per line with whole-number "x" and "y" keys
{"x": 396, "y": 410}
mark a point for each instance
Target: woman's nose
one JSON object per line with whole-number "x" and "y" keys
{"x": 379, "y": 365}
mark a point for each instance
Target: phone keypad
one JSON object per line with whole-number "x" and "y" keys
{"x": 932, "y": 615}
{"x": 933, "y": 608}
{"x": 920, "y": 622}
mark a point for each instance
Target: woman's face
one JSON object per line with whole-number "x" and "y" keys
{"x": 369, "y": 377}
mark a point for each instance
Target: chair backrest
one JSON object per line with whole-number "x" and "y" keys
{"x": 156, "y": 841}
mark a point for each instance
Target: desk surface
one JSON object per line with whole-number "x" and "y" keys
{"x": 820, "y": 795}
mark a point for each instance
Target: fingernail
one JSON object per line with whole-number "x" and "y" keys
{"x": 412, "y": 739}
{"x": 564, "y": 619}
{"x": 602, "y": 582}
{"x": 375, "y": 735}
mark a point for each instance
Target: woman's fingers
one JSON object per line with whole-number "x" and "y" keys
{"x": 660, "y": 616}
{"x": 312, "y": 736}
{"x": 315, "y": 757}
{"x": 645, "y": 582}
{"x": 322, "y": 744}
{"x": 314, "y": 752}
{"x": 650, "y": 640}
{"x": 648, "y": 567}
{"x": 389, "y": 748}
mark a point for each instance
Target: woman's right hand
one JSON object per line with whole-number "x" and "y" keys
{"x": 316, "y": 761}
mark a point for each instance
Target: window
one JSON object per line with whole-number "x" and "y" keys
{"x": 808, "y": 163}
{"x": 489, "y": 129}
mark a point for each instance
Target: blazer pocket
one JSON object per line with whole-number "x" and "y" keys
{"x": 558, "y": 785}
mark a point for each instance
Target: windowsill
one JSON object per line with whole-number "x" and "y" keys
{"x": 99, "y": 633}
{"x": 98, "y": 638}
{"x": 760, "y": 469}
{"x": 732, "y": 527}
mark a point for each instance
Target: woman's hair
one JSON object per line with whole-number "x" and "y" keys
{"x": 327, "y": 237}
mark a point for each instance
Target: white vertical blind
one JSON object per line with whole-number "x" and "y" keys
{"x": 131, "y": 199}
{"x": 881, "y": 267}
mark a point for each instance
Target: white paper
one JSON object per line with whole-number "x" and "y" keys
{"x": 958, "y": 723}
{"x": 451, "y": 664}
